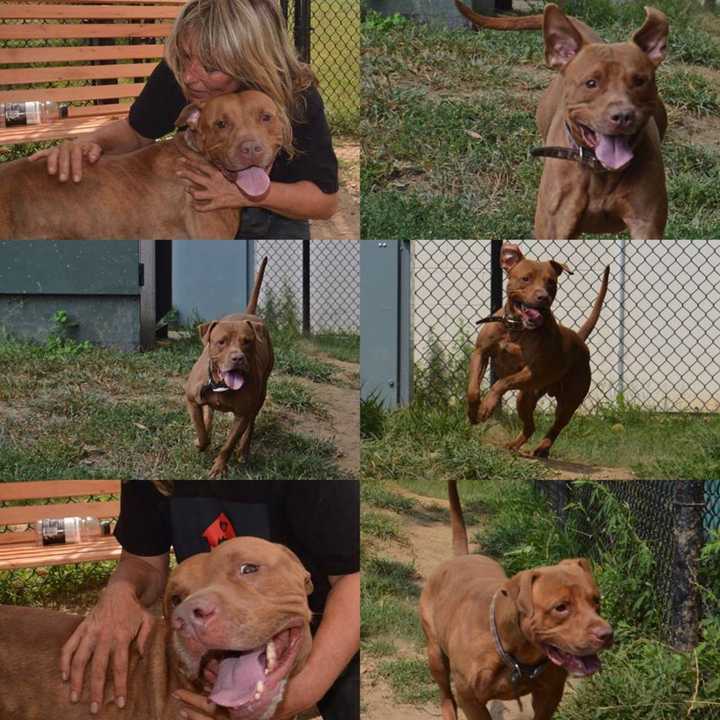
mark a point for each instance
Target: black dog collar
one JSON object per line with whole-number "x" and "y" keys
{"x": 518, "y": 671}
{"x": 211, "y": 385}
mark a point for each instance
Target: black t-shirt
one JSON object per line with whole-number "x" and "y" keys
{"x": 155, "y": 110}
{"x": 318, "y": 520}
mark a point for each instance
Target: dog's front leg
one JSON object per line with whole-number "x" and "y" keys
{"x": 476, "y": 371}
{"x": 512, "y": 382}
{"x": 202, "y": 429}
{"x": 239, "y": 427}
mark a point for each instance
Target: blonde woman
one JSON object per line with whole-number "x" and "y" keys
{"x": 216, "y": 47}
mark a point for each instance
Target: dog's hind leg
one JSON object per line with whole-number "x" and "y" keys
{"x": 526, "y": 403}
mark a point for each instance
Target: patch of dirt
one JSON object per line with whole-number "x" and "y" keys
{"x": 341, "y": 403}
{"x": 572, "y": 471}
{"x": 345, "y": 224}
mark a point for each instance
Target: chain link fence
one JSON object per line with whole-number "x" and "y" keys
{"x": 655, "y": 346}
{"x": 655, "y": 508}
{"x": 327, "y": 35}
{"x": 319, "y": 278}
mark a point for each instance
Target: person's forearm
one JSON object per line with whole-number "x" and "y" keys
{"x": 145, "y": 579}
{"x": 117, "y": 138}
{"x": 335, "y": 642}
{"x": 300, "y": 201}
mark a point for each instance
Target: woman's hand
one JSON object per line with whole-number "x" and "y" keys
{"x": 209, "y": 188}
{"x": 68, "y": 158}
{"x": 196, "y": 707}
{"x": 107, "y": 631}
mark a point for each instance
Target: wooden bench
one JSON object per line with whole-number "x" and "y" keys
{"x": 94, "y": 54}
{"x": 19, "y": 548}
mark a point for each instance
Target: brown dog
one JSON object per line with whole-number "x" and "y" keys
{"x": 138, "y": 195}
{"x": 602, "y": 111}
{"x": 231, "y": 375}
{"x": 501, "y": 638}
{"x": 217, "y": 606}
{"x": 533, "y": 353}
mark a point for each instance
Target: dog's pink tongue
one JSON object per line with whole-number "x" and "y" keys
{"x": 237, "y": 679}
{"x": 533, "y": 315}
{"x": 613, "y": 151}
{"x": 253, "y": 181}
{"x": 233, "y": 379}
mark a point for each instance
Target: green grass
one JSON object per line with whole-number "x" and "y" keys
{"x": 428, "y": 445}
{"x": 73, "y": 411}
{"x": 339, "y": 345}
{"x": 449, "y": 118}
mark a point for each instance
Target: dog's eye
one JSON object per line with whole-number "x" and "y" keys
{"x": 526, "y": 278}
{"x": 639, "y": 81}
{"x": 175, "y": 600}
{"x": 220, "y": 124}
{"x": 221, "y": 342}
{"x": 266, "y": 117}
{"x": 247, "y": 568}
{"x": 561, "y": 608}
{"x": 591, "y": 83}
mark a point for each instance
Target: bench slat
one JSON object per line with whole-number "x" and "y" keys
{"x": 69, "y": 94}
{"x": 17, "y": 11}
{"x": 55, "y": 31}
{"x": 31, "y": 556}
{"x": 39, "y": 489}
{"x": 23, "y": 514}
{"x": 18, "y": 76}
{"x": 68, "y": 128}
{"x": 178, "y": 3}
{"x": 82, "y": 53}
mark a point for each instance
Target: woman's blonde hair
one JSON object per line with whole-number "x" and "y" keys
{"x": 246, "y": 39}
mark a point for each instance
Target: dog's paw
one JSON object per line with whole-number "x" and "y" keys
{"x": 487, "y": 408}
{"x": 218, "y": 469}
{"x": 200, "y": 445}
{"x": 542, "y": 451}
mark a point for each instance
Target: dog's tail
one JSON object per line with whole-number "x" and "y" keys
{"x": 457, "y": 523}
{"x": 251, "y": 309}
{"x": 524, "y": 22}
{"x": 589, "y": 324}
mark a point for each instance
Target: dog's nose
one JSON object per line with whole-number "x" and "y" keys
{"x": 623, "y": 118}
{"x": 200, "y": 612}
{"x": 541, "y": 296}
{"x": 604, "y": 634}
{"x": 236, "y": 357}
{"x": 251, "y": 149}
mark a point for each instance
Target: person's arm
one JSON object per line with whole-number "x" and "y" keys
{"x": 210, "y": 190}
{"x": 67, "y": 158}
{"x": 119, "y": 617}
{"x": 335, "y": 643}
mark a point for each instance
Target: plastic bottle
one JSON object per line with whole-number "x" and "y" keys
{"x": 61, "y": 531}
{"x": 31, "y": 113}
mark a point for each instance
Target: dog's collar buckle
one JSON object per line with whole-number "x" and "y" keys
{"x": 518, "y": 671}
{"x": 211, "y": 385}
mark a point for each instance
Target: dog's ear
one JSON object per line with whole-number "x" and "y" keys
{"x": 583, "y": 563}
{"x": 258, "y": 328}
{"x": 652, "y": 37}
{"x": 189, "y": 116}
{"x": 510, "y": 256}
{"x": 519, "y": 589}
{"x": 204, "y": 331}
{"x": 560, "y": 268}
{"x": 562, "y": 41}
{"x": 308, "y": 584}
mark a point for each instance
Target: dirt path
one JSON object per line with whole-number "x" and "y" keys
{"x": 341, "y": 405}
{"x": 345, "y": 224}
{"x": 428, "y": 544}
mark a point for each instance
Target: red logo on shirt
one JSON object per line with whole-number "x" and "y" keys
{"x": 219, "y": 531}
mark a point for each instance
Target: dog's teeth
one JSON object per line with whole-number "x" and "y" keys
{"x": 271, "y": 656}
